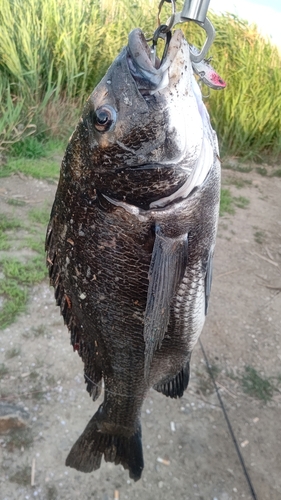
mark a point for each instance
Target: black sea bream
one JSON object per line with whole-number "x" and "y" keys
{"x": 131, "y": 239}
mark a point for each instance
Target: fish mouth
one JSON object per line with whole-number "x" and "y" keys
{"x": 149, "y": 73}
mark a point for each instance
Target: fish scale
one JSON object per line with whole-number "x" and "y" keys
{"x": 130, "y": 242}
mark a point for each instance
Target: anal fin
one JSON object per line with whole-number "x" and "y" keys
{"x": 174, "y": 387}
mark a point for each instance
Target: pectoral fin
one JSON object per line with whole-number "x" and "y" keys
{"x": 166, "y": 270}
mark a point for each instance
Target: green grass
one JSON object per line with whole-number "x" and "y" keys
{"x": 51, "y": 380}
{"x": 19, "y": 438}
{"x": 239, "y": 182}
{"x": 39, "y": 331}
{"x": 14, "y": 286}
{"x": 35, "y": 243}
{"x": 40, "y": 215}
{"x": 226, "y": 202}
{"x": 3, "y": 370}
{"x": 4, "y": 244}
{"x": 213, "y": 370}
{"x": 241, "y": 201}
{"x": 13, "y": 352}
{"x": 15, "y": 202}
{"x": 30, "y": 147}
{"x": 17, "y": 275}
{"x": 262, "y": 171}
{"x": 205, "y": 380}
{"x": 7, "y": 225}
{"x": 51, "y": 492}
{"x": 38, "y": 392}
{"x": 277, "y": 173}
{"x": 256, "y": 385}
{"x": 15, "y": 298}
{"x": 41, "y": 162}
{"x": 22, "y": 476}
{"x": 259, "y": 237}
{"x": 239, "y": 167}
{"x": 24, "y": 273}
{"x": 39, "y": 169}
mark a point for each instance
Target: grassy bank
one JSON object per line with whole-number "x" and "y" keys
{"x": 22, "y": 260}
{"x": 52, "y": 54}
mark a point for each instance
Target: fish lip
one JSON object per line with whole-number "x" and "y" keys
{"x": 147, "y": 76}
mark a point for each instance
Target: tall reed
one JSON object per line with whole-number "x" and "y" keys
{"x": 247, "y": 114}
{"x": 53, "y": 52}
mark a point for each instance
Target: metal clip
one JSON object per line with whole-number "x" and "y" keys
{"x": 210, "y": 31}
{"x": 195, "y": 11}
{"x": 207, "y": 26}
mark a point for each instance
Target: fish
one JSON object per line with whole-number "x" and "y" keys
{"x": 131, "y": 239}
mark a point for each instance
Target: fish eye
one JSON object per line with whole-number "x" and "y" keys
{"x": 104, "y": 118}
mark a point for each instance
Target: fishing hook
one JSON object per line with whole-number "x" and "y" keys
{"x": 161, "y": 32}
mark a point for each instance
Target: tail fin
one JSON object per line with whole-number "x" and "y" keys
{"x": 86, "y": 454}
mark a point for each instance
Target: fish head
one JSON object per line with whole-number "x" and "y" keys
{"x": 141, "y": 131}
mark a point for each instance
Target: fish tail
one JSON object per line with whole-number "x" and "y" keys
{"x": 119, "y": 448}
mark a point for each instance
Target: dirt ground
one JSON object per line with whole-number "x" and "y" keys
{"x": 188, "y": 451}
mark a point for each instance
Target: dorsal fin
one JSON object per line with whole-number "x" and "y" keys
{"x": 167, "y": 267}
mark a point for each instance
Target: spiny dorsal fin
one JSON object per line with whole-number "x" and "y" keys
{"x": 167, "y": 267}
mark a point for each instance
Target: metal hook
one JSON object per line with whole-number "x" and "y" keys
{"x": 160, "y": 32}
{"x": 200, "y": 81}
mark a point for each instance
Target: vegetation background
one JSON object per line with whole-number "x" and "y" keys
{"x": 53, "y": 53}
